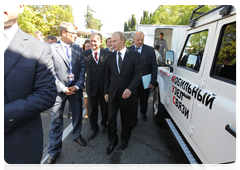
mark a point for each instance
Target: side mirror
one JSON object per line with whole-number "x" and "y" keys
{"x": 169, "y": 58}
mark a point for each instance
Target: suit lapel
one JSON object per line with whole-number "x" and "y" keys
{"x": 60, "y": 51}
{"x": 125, "y": 60}
{"x": 143, "y": 52}
{"x": 15, "y": 50}
{"x": 101, "y": 56}
{"x": 114, "y": 61}
{"x": 74, "y": 55}
{"x": 90, "y": 56}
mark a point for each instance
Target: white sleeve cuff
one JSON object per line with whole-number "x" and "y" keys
{"x": 64, "y": 89}
{"x": 77, "y": 87}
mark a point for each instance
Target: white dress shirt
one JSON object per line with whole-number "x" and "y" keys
{"x": 139, "y": 50}
{"x": 70, "y": 54}
{"x": 123, "y": 51}
{"x": 98, "y": 54}
{"x": 65, "y": 50}
{"x": 8, "y": 35}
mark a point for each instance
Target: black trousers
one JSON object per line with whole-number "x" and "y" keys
{"x": 126, "y": 113}
{"x": 143, "y": 95}
{"x": 93, "y": 110}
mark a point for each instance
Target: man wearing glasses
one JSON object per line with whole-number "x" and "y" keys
{"x": 70, "y": 73}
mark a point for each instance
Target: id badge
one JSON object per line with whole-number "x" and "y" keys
{"x": 71, "y": 77}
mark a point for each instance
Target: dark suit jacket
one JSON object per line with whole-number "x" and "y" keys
{"x": 61, "y": 67}
{"x": 95, "y": 74}
{"x": 129, "y": 77}
{"x": 29, "y": 89}
{"x": 149, "y": 63}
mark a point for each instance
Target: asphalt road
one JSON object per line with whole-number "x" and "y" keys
{"x": 148, "y": 144}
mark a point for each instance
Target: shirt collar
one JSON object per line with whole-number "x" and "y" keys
{"x": 98, "y": 51}
{"x": 10, "y": 31}
{"x": 138, "y": 47}
{"x": 123, "y": 51}
{"x": 64, "y": 44}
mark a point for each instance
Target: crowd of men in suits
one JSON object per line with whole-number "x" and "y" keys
{"x": 47, "y": 76}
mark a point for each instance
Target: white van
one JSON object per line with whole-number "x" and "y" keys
{"x": 196, "y": 92}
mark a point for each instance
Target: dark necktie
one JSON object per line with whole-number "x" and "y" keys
{"x": 119, "y": 60}
{"x": 96, "y": 58}
{"x": 136, "y": 49}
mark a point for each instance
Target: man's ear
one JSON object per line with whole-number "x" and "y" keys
{"x": 21, "y": 8}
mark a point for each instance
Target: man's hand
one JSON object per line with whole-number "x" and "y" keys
{"x": 126, "y": 94}
{"x": 150, "y": 86}
{"x": 106, "y": 97}
{"x": 71, "y": 90}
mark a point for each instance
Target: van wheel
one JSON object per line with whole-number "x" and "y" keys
{"x": 159, "y": 111}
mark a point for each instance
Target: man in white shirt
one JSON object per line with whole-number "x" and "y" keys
{"x": 70, "y": 74}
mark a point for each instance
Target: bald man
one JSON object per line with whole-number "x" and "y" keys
{"x": 149, "y": 66}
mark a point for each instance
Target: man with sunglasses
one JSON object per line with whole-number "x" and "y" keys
{"x": 70, "y": 73}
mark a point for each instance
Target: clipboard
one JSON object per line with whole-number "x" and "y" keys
{"x": 146, "y": 80}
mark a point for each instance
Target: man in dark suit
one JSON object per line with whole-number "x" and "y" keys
{"x": 29, "y": 89}
{"x": 122, "y": 77}
{"x": 70, "y": 73}
{"x": 95, "y": 62}
{"x": 149, "y": 66}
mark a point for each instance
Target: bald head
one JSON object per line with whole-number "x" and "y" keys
{"x": 139, "y": 38}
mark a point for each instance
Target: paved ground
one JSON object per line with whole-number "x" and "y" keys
{"x": 148, "y": 144}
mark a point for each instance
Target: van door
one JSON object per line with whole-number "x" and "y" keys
{"x": 187, "y": 77}
{"x": 215, "y": 122}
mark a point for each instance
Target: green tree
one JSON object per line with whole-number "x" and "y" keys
{"x": 228, "y": 45}
{"x": 129, "y": 25}
{"x": 125, "y": 26}
{"x": 128, "y": 43}
{"x": 176, "y": 14}
{"x": 103, "y": 45}
{"x": 133, "y": 22}
{"x": 27, "y": 20}
{"x": 45, "y": 18}
{"x": 90, "y": 21}
{"x": 146, "y": 19}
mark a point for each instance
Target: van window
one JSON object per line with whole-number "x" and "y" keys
{"x": 224, "y": 67}
{"x": 191, "y": 56}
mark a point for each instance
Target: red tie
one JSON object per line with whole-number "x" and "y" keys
{"x": 96, "y": 58}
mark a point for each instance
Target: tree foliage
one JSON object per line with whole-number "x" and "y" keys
{"x": 176, "y": 14}
{"x": 130, "y": 25}
{"x": 90, "y": 21}
{"x": 228, "y": 45}
{"x": 147, "y": 18}
{"x": 170, "y": 15}
{"x": 45, "y": 18}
